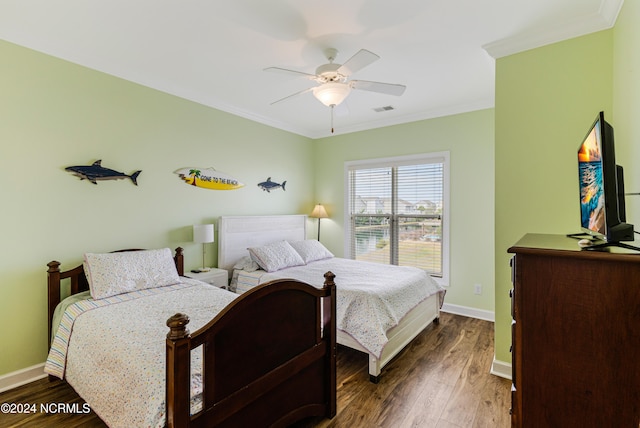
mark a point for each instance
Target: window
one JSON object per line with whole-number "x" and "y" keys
{"x": 397, "y": 211}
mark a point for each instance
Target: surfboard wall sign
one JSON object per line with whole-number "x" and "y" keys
{"x": 208, "y": 178}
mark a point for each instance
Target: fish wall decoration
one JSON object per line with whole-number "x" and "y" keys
{"x": 208, "y": 178}
{"x": 269, "y": 185}
{"x": 96, "y": 172}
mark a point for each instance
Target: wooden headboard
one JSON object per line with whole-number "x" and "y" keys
{"x": 237, "y": 233}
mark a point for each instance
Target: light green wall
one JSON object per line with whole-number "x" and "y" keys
{"x": 56, "y": 114}
{"x": 546, "y": 99}
{"x": 469, "y": 138}
{"x": 626, "y": 102}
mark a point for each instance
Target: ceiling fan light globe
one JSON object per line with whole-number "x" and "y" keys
{"x": 332, "y": 93}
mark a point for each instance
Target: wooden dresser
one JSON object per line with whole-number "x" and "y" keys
{"x": 575, "y": 335}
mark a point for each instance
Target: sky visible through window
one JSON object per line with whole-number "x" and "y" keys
{"x": 412, "y": 187}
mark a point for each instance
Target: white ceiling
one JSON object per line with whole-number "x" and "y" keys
{"x": 214, "y": 51}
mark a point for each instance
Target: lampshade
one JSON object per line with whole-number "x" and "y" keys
{"x": 319, "y": 212}
{"x": 203, "y": 233}
{"x": 331, "y": 93}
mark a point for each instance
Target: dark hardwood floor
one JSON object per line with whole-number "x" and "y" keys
{"x": 440, "y": 380}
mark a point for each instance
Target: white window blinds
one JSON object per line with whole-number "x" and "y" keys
{"x": 396, "y": 211}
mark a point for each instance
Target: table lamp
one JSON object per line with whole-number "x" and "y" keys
{"x": 203, "y": 233}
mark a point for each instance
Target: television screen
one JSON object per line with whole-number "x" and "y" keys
{"x": 601, "y": 185}
{"x": 591, "y": 179}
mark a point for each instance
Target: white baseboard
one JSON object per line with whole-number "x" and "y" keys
{"x": 21, "y": 377}
{"x": 501, "y": 368}
{"x": 469, "y": 312}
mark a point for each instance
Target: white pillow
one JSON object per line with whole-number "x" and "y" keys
{"x": 109, "y": 274}
{"x": 276, "y": 256}
{"x": 311, "y": 250}
{"x": 246, "y": 264}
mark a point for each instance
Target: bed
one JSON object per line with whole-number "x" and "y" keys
{"x": 380, "y": 308}
{"x": 266, "y": 358}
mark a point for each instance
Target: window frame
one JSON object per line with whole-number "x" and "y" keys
{"x": 415, "y": 159}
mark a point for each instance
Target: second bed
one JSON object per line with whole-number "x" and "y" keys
{"x": 380, "y": 308}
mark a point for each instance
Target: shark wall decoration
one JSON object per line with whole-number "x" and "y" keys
{"x": 269, "y": 185}
{"x": 208, "y": 178}
{"x": 96, "y": 172}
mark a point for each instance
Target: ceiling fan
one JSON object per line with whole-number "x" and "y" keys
{"x": 333, "y": 80}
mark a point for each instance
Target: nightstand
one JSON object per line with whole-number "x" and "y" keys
{"x": 217, "y": 277}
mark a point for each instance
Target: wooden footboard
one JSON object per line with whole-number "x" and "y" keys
{"x": 269, "y": 358}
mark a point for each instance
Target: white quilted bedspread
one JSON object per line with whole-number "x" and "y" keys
{"x": 371, "y": 297}
{"x": 115, "y": 357}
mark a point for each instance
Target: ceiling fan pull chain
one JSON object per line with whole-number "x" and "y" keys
{"x": 332, "y": 106}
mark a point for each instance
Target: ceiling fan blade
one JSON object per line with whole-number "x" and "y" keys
{"x": 357, "y": 62}
{"x": 293, "y": 95}
{"x": 291, "y": 72}
{"x": 384, "y": 88}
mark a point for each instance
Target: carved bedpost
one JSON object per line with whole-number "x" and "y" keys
{"x": 329, "y": 279}
{"x": 329, "y": 320}
{"x": 53, "y": 293}
{"x": 178, "y": 375}
{"x": 178, "y": 327}
{"x": 54, "y": 266}
{"x": 179, "y": 259}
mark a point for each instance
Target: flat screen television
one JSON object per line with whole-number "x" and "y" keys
{"x": 602, "y": 207}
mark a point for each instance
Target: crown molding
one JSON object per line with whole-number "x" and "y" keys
{"x": 604, "y": 19}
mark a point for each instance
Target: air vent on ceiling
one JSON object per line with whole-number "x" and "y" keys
{"x": 381, "y": 109}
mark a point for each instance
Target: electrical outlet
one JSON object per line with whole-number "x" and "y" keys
{"x": 477, "y": 288}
